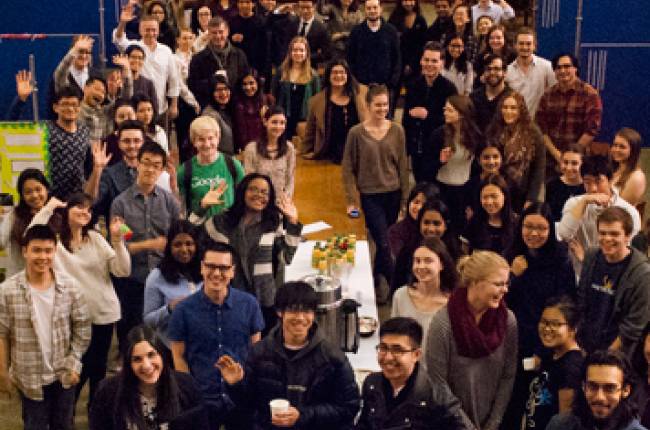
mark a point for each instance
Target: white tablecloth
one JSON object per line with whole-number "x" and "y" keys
{"x": 360, "y": 287}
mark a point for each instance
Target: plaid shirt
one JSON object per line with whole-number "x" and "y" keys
{"x": 70, "y": 332}
{"x": 564, "y": 116}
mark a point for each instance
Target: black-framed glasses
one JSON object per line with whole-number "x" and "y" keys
{"x": 395, "y": 351}
{"x": 551, "y": 324}
{"x": 222, "y": 268}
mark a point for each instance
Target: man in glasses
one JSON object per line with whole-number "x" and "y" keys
{"x": 402, "y": 393}
{"x": 296, "y": 363}
{"x": 486, "y": 98}
{"x": 218, "y": 320}
{"x": 605, "y": 399}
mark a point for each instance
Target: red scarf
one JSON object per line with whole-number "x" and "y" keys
{"x": 476, "y": 341}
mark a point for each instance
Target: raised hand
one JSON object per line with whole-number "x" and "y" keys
{"x": 127, "y": 12}
{"x": 24, "y": 86}
{"x": 121, "y": 60}
{"x": 213, "y": 197}
{"x": 288, "y": 209}
{"x": 115, "y": 228}
{"x": 83, "y": 43}
{"x": 100, "y": 157}
{"x": 231, "y": 371}
{"x": 54, "y": 204}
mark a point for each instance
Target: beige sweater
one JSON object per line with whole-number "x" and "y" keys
{"x": 373, "y": 166}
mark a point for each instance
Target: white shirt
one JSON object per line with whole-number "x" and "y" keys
{"x": 80, "y": 76}
{"x": 43, "y": 307}
{"x": 457, "y": 169}
{"x": 309, "y": 23}
{"x": 159, "y": 66}
{"x": 494, "y": 11}
{"x": 532, "y": 84}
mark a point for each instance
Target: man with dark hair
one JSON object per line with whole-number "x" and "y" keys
{"x": 605, "y": 401}
{"x": 578, "y": 223}
{"x": 141, "y": 84}
{"x": 425, "y": 99}
{"x": 295, "y": 362}
{"x": 486, "y": 98}
{"x": 569, "y": 112}
{"x": 106, "y": 183}
{"x": 148, "y": 210}
{"x": 402, "y": 392}
{"x": 218, "y": 320}
{"x": 443, "y": 23}
{"x": 373, "y": 51}
{"x": 311, "y": 28}
{"x": 45, "y": 324}
{"x": 248, "y": 34}
{"x": 219, "y": 56}
{"x": 613, "y": 290}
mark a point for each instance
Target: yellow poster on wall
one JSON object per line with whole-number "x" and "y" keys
{"x": 23, "y": 145}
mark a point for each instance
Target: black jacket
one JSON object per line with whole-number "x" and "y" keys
{"x": 318, "y": 381}
{"x": 203, "y": 66}
{"x": 425, "y": 406}
{"x": 375, "y": 57}
{"x": 102, "y": 414}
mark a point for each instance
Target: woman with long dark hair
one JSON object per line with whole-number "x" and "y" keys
{"x": 177, "y": 276}
{"x": 462, "y": 26}
{"x": 85, "y": 256}
{"x": 273, "y": 155}
{"x": 497, "y": 45}
{"x": 458, "y": 69}
{"x": 220, "y": 109}
{"x": 522, "y": 146}
{"x": 541, "y": 269}
{"x": 33, "y": 194}
{"x": 147, "y": 394}
{"x": 433, "y": 278}
{"x": 454, "y": 146}
{"x": 406, "y": 232}
{"x": 412, "y": 28}
{"x": 248, "y": 105}
{"x": 253, "y": 226}
{"x": 629, "y": 180}
{"x": 333, "y": 111}
{"x": 166, "y": 33}
{"x": 492, "y": 225}
{"x": 145, "y": 112}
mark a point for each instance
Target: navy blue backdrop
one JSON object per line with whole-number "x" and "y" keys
{"x": 614, "y": 55}
{"x": 49, "y": 18}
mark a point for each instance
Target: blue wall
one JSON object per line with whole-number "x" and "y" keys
{"x": 48, "y": 17}
{"x": 614, "y": 55}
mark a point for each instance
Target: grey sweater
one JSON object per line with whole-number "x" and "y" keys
{"x": 482, "y": 385}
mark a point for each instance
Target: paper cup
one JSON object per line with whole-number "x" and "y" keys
{"x": 529, "y": 363}
{"x": 278, "y": 405}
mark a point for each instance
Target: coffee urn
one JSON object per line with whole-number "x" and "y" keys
{"x": 336, "y": 317}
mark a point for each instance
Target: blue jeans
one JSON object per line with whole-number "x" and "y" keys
{"x": 380, "y": 211}
{"x": 54, "y": 412}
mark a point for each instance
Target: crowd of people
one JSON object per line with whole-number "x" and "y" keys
{"x": 516, "y": 266}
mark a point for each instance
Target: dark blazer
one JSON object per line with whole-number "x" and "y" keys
{"x": 318, "y": 38}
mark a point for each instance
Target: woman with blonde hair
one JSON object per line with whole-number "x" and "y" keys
{"x": 472, "y": 340}
{"x": 295, "y": 84}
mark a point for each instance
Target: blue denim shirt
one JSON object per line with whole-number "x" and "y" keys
{"x": 210, "y": 331}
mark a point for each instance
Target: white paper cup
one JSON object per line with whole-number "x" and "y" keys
{"x": 529, "y": 363}
{"x": 278, "y": 405}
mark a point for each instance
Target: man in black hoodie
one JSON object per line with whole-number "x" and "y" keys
{"x": 295, "y": 362}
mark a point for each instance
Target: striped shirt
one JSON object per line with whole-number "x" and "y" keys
{"x": 70, "y": 332}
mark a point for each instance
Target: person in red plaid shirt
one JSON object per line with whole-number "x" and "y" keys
{"x": 569, "y": 112}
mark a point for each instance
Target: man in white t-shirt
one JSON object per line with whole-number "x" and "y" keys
{"x": 45, "y": 324}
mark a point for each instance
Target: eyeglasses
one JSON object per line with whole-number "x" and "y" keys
{"x": 494, "y": 69}
{"x": 551, "y": 324}
{"x": 395, "y": 351}
{"x": 222, "y": 268}
{"x": 151, "y": 164}
{"x": 83, "y": 52}
{"x": 255, "y": 190}
{"x": 564, "y": 66}
{"x": 128, "y": 141}
{"x": 534, "y": 227}
{"x": 456, "y": 45}
{"x": 593, "y": 387}
{"x": 136, "y": 58}
{"x": 68, "y": 105}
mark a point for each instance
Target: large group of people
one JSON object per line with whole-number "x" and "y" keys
{"x": 516, "y": 266}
